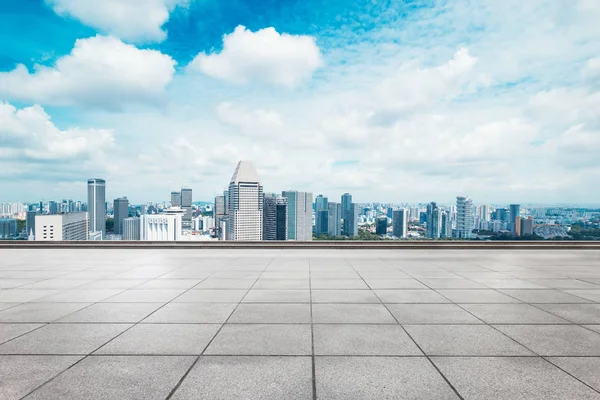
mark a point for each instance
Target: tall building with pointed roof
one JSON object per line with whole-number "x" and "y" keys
{"x": 244, "y": 220}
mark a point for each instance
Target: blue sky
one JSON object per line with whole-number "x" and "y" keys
{"x": 389, "y": 100}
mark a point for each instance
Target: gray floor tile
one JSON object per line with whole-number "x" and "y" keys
{"x": 212, "y": 296}
{"x": 410, "y": 296}
{"x": 348, "y": 378}
{"x": 344, "y": 296}
{"x": 316, "y": 284}
{"x": 595, "y": 328}
{"x": 555, "y": 340}
{"x": 565, "y": 284}
{"x": 476, "y": 296}
{"x": 281, "y": 284}
{"x": 577, "y": 313}
{"x": 220, "y": 283}
{"x": 271, "y": 314}
{"x": 63, "y": 339}
{"x": 117, "y": 377}
{"x": 57, "y": 283}
{"x": 451, "y": 283}
{"x": 394, "y": 284}
{"x": 40, "y": 312}
{"x": 113, "y": 313}
{"x": 192, "y": 313}
{"x": 464, "y": 340}
{"x": 592, "y": 295}
{"x": 511, "y": 378}
{"x": 251, "y": 378}
{"x": 6, "y": 306}
{"x": 22, "y": 374}
{"x": 583, "y": 368}
{"x": 14, "y": 283}
{"x": 169, "y": 284}
{"x": 145, "y": 296}
{"x": 431, "y": 314}
{"x": 277, "y": 296}
{"x": 509, "y": 284}
{"x": 543, "y": 296}
{"x": 512, "y": 314}
{"x": 111, "y": 284}
{"x": 162, "y": 339}
{"x": 363, "y": 340}
{"x": 351, "y": 314}
{"x": 11, "y": 331}
{"x": 24, "y": 295}
{"x": 79, "y": 296}
{"x": 272, "y": 339}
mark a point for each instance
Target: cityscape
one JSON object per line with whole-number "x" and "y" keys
{"x": 246, "y": 212}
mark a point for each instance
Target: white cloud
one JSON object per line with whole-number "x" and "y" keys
{"x": 262, "y": 56}
{"x": 31, "y": 144}
{"x": 132, "y": 20}
{"x": 257, "y": 122}
{"x": 100, "y": 71}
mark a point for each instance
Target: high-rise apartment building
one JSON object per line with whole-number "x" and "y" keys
{"x": 464, "y": 217}
{"x": 56, "y": 227}
{"x": 53, "y": 207}
{"x": 219, "y": 214}
{"x": 175, "y": 199}
{"x": 131, "y": 228}
{"x": 120, "y": 212}
{"x": 321, "y": 215}
{"x": 351, "y": 221}
{"x": 515, "y": 211}
{"x": 400, "y": 222}
{"x": 244, "y": 220}
{"x": 30, "y": 222}
{"x": 299, "y": 215}
{"x": 346, "y": 206}
{"x": 381, "y": 225}
{"x": 96, "y": 205}
{"x": 275, "y": 215}
{"x": 446, "y": 230}
{"x": 162, "y": 227}
{"x": 186, "y": 205}
{"x": 434, "y": 221}
{"x": 8, "y": 228}
{"x": 334, "y": 220}
{"x": 526, "y": 226}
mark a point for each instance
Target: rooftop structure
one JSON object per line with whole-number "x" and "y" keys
{"x": 299, "y": 324}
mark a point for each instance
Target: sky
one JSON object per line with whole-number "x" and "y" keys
{"x": 392, "y": 101}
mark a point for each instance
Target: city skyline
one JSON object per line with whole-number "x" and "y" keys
{"x": 404, "y": 101}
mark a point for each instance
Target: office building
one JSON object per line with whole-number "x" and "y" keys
{"x": 219, "y": 214}
{"x": 464, "y": 217}
{"x": 244, "y": 220}
{"x": 275, "y": 216}
{"x": 131, "y": 228}
{"x": 120, "y": 213}
{"x": 381, "y": 225}
{"x": 162, "y": 227}
{"x": 400, "y": 223}
{"x": 8, "y": 228}
{"x": 30, "y": 222}
{"x": 434, "y": 221}
{"x": 501, "y": 214}
{"x": 321, "y": 215}
{"x": 175, "y": 199}
{"x": 346, "y": 206}
{"x": 446, "y": 226}
{"x": 526, "y": 226}
{"x": 96, "y": 205}
{"x": 334, "y": 219}
{"x": 515, "y": 212}
{"x": 56, "y": 227}
{"x": 299, "y": 215}
{"x": 53, "y": 207}
{"x": 186, "y": 205}
{"x": 484, "y": 212}
{"x": 351, "y": 221}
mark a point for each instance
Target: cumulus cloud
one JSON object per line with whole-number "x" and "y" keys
{"x": 132, "y": 20}
{"x": 261, "y": 56}
{"x": 255, "y": 122}
{"x": 29, "y": 139}
{"x": 100, "y": 71}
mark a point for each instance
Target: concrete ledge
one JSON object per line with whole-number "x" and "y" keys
{"x": 350, "y": 244}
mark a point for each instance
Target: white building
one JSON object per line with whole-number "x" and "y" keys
{"x": 56, "y": 227}
{"x": 131, "y": 228}
{"x": 162, "y": 227}
{"x": 464, "y": 218}
{"x": 244, "y": 221}
{"x": 299, "y": 214}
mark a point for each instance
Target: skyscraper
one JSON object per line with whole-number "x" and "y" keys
{"x": 399, "y": 222}
{"x": 351, "y": 221}
{"x": 275, "y": 214}
{"x": 30, "y": 222}
{"x": 446, "y": 230}
{"x": 219, "y": 214}
{"x": 434, "y": 221}
{"x": 186, "y": 205}
{"x": 121, "y": 211}
{"x": 175, "y": 199}
{"x": 96, "y": 206}
{"x": 515, "y": 211}
{"x": 321, "y": 215}
{"x": 381, "y": 225}
{"x": 464, "y": 217}
{"x": 299, "y": 215}
{"x": 526, "y": 226}
{"x": 244, "y": 221}
{"x": 334, "y": 221}
{"x": 53, "y": 207}
{"x": 346, "y": 205}
{"x": 131, "y": 228}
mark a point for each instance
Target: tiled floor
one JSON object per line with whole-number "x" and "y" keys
{"x": 299, "y": 324}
